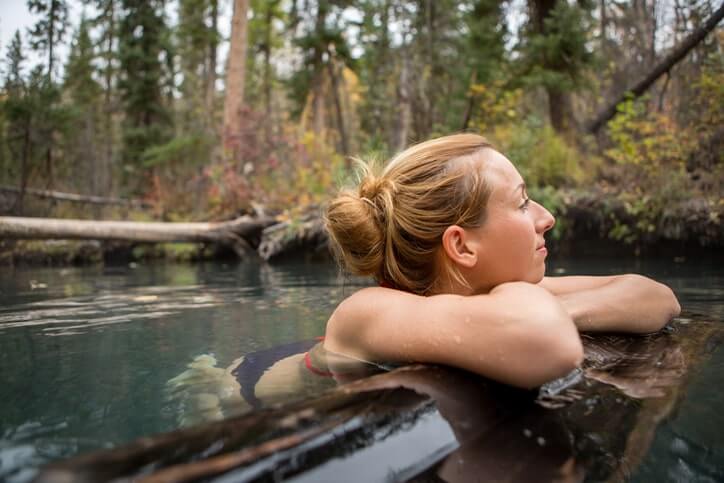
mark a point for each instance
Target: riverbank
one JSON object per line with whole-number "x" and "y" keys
{"x": 588, "y": 223}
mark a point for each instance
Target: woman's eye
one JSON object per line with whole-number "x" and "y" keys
{"x": 524, "y": 206}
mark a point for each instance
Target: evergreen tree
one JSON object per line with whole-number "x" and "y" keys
{"x": 555, "y": 55}
{"x": 377, "y": 70}
{"x": 32, "y": 114}
{"x": 85, "y": 94}
{"x": 46, "y": 35}
{"x": 79, "y": 82}
{"x": 264, "y": 39}
{"x": 487, "y": 31}
{"x": 105, "y": 23}
{"x": 141, "y": 42}
{"x": 49, "y": 31}
{"x": 439, "y": 67}
{"x": 193, "y": 42}
{"x": 323, "y": 48}
{"x": 16, "y": 116}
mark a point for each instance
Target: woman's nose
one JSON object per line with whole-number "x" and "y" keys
{"x": 544, "y": 219}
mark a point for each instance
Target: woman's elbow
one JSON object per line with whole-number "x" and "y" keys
{"x": 674, "y": 306}
{"x": 663, "y": 304}
{"x": 559, "y": 352}
{"x": 669, "y": 306}
{"x": 564, "y": 357}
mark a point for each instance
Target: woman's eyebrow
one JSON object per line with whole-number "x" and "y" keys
{"x": 520, "y": 186}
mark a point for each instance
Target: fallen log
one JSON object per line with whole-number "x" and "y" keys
{"x": 284, "y": 238}
{"x": 75, "y": 197}
{"x": 303, "y": 232}
{"x": 427, "y": 423}
{"x": 240, "y": 234}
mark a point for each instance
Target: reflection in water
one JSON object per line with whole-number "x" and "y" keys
{"x": 500, "y": 433}
{"x": 85, "y": 355}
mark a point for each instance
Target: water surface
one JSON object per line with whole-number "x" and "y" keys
{"x": 86, "y": 353}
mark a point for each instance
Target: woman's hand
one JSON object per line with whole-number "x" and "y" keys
{"x": 621, "y": 303}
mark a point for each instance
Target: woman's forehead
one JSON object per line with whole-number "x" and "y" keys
{"x": 503, "y": 177}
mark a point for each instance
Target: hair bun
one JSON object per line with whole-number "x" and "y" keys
{"x": 356, "y": 233}
{"x": 371, "y": 186}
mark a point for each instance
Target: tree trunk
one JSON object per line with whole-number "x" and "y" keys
{"x": 662, "y": 67}
{"x": 471, "y": 102}
{"x": 332, "y": 69}
{"x": 318, "y": 85}
{"x": 268, "y": 22}
{"x": 24, "y": 169}
{"x": 560, "y": 108}
{"x": 234, "y": 98}
{"x": 234, "y": 233}
{"x": 404, "y": 119}
{"x": 107, "y": 163}
{"x": 211, "y": 68}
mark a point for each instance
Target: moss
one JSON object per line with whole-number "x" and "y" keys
{"x": 51, "y": 252}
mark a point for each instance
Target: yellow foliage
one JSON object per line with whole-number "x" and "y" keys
{"x": 495, "y": 105}
{"x": 650, "y": 140}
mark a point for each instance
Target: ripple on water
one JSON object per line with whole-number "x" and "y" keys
{"x": 78, "y": 315}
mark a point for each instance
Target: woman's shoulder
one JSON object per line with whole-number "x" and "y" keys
{"x": 371, "y": 302}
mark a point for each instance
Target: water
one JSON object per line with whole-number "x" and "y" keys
{"x": 86, "y": 353}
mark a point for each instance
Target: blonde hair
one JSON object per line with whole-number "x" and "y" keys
{"x": 391, "y": 225}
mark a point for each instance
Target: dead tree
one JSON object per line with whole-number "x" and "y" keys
{"x": 661, "y": 68}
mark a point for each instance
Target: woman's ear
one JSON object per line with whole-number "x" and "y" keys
{"x": 458, "y": 247}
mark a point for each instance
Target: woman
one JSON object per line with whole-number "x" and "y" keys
{"x": 449, "y": 233}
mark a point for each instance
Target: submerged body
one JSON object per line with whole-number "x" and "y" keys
{"x": 485, "y": 304}
{"x": 279, "y": 374}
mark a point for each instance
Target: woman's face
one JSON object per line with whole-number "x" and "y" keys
{"x": 510, "y": 243}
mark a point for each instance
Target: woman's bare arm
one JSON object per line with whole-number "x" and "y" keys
{"x": 620, "y": 303}
{"x": 518, "y": 334}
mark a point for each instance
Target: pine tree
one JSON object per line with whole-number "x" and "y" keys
{"x": 32, "y": 115}
{"x": 86, "y": 95}
{"x": 106, "y": 24}
{"x": 49, "y": 31}
{"x": 377, "y": 70}
{"x": 554, "y": 54}
{"x": 486, "y": 38}
{"x": 264, "y": 39}
{"x": 46, "y": 35}
{"x": 324, "y": 48}
{"x": 141, "y": 42}
{"x": 193, "y": 42}
{"x": 16, "y": 118}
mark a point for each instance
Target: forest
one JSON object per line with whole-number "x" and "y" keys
{"x": 200, "y": 110}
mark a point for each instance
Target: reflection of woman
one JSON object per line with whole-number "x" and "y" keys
{"x": 449, "y": 232}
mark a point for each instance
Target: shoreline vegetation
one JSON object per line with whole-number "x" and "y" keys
{"x": 613, "y": 114}
{"x": 587, "y": 223}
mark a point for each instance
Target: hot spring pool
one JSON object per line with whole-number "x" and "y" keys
{"x": 86, "y": 353}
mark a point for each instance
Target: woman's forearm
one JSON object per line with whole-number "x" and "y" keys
{"x": 629, "y": 303}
